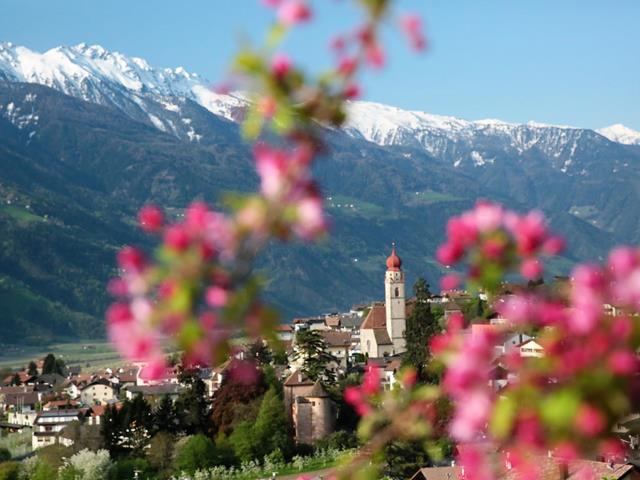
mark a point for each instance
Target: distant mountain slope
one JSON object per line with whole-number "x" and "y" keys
{"x": 621, "y": 134}
{"x": 75, "y": 169}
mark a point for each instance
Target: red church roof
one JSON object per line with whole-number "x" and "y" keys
{"x": 394, "y": 262}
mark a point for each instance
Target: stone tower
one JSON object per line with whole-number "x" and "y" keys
{"x": 394, "y": 301}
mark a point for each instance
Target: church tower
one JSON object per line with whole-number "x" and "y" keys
{"x": 394, "y": 301}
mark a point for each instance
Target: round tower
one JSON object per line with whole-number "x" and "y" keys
{"x": 394, "y": 300}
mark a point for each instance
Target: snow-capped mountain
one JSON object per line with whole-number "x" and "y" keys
{"x": 161, "y": 98}
{"x": 621, "y": 134}
{"x": 461, "y": 142}
{"x": 130, "y": 84}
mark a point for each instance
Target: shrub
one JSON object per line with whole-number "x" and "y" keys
{"x": 125, "y": 469}
{"x": 90, "y": 465}
{"x": 198, "y": 452}
{"x": 5, "y": 454}
{"x": 9, "y": 470}
{"x": 340, "y": 440}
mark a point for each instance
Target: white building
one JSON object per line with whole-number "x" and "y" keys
{"x": 98, "y": 392}
{"x": 48, "y": 425}
{"x": 382, "y": 332}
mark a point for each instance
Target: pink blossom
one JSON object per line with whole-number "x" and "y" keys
{"x": 217, "y": 297}
{"x": 156, "y": 369}
{"x": 531, "y": 269}
{"x": 371, "y": 380}
{"x": 488, "y": 216}
{"x": 375, "y": 55}
{"x": 462, "y": 230}
{"x": 267, "y": 106}
{"x": 351, "y": 91}
{"x": 553, "y": 245}
{"x": 151, "y": 218}
{"x": 176, "y": 238}
{"x": 292, "y": 12}
{"x": 131, "y": 259}
{"x": 119, "y": 313}
{"x": 196, "y": 218}
{"x": 450, "y": 282}
{"x": 280, "y": 65}
{"x": 347, "y": 66}
{"x": 411, "y": 25}
{"x": 449, "y": 253}
{"x": 589, "y": 420}
{"x": 623, "y": 362}
{"x": 271, "y": 164}
{"x": 622, "y": 261}
{"x": 471, "y": 416}
{"x": 310, "y": 222}
{"x": 493, "y": 248}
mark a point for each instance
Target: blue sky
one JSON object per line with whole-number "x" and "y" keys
{"x": 565, "y": 62}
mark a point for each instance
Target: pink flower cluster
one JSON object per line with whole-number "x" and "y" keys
{"x": 286, "y": 184}
{"x": 560, "y": 402}
{"x": 491, "y": 237}
{"x": 290, "y": 12}
{"x": 156, "y": 303}
{"x": 363, "y": 397}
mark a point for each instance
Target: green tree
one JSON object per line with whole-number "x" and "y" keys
{"x": 272, "y": 428}
{"x": 311, "y": 347}
{"x": 193, "y": 404}
{"x": 196, "y": 453}
{"x": 160, "y": 451}
{"x": 126, "y": 468}
{"x": 5, "y": 454}
{"x": 9, "y": 470}
{"x": 405, "y": 458}
{"x": 32, "y": 369}
{"x": 165, "y": 416}
{"x": 53, "y": 365}
{"x": 234, "y": 402}
{"x": 243, "y": 442}
{"x": 421, "y": 327}
{"x": 260, "y": 353}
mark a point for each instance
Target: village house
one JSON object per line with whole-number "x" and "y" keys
{"x": 48, "y": 426}
{"x": 98, "y": 392}
{"x": 285, "y": 332}
{"x": 154, "y": 393}
{"x": 339, "y": 345}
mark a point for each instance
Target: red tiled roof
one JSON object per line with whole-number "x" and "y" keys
{"x": 298, "y": 378}
{"x": 284, "y": 328}
{"x": 382, "y": 336}
{"x": 376, "y": 318}
{"x": 336, "y": 339}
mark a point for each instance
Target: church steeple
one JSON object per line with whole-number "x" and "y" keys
{"x": 394, "y": 262}
{"x": 395, "y": 306}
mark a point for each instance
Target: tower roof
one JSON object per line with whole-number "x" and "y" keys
{"x": 394, "y": 262}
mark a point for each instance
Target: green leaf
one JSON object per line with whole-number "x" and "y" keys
{"x": 276, "y": 34}
{"x": 559, "y": 409}
{"x": 503, "y": 416}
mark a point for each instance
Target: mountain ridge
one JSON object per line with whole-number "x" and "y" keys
{"x": 76, "y": 167}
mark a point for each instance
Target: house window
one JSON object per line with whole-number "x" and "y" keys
{"x": 397, "y": 292}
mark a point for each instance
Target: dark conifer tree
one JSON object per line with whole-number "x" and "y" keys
{"x": 421, "y": 327}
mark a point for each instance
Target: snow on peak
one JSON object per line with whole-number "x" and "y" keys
{"x": 98, "y": 75}
{"x": 620, "y": 134}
